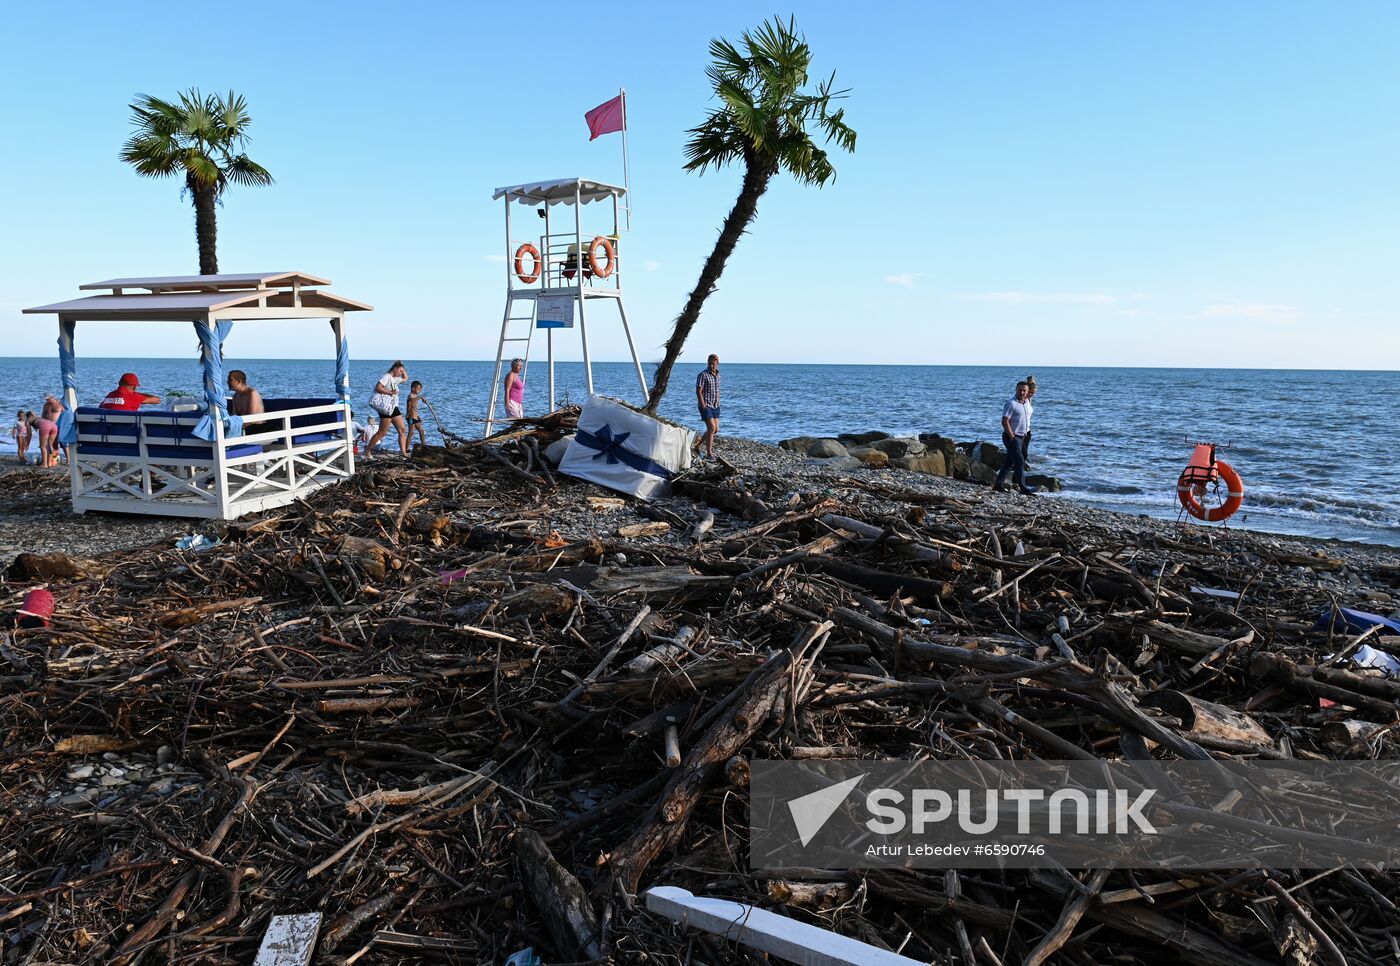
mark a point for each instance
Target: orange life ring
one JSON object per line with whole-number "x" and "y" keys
{"x": 607, "y": 246}
{"x": 520, "y": 253}
{"x": 1190, "y": 495}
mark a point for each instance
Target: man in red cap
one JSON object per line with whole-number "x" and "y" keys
{"x": 127, "y": 395}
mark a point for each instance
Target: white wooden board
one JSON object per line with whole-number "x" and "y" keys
{"x": 788, "y": 939}
{"x": 289, "y": 940}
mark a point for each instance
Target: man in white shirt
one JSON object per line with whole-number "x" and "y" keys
{"x": 1015, "y": 424}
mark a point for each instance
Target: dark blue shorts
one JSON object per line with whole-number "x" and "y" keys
{"x": 709, "y": 412}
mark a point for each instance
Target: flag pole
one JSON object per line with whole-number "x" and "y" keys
{"x": 626, "y": 172}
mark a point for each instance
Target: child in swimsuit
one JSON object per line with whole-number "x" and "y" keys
{"x": 21, "y": 434}
{"x": 415, "y": 396}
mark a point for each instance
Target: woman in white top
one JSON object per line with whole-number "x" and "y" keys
{"x": 385, "y": 402}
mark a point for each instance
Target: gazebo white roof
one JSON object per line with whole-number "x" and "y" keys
{"x": 560, "y": 192}
{"x": 181, "y": 298}
{"x": 209, "y": 283}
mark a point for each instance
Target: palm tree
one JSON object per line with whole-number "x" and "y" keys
{"x": 762, "y": 121}
{"x": 201, "y": 138}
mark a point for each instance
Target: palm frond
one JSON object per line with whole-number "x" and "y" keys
{"x": 202, "y": 169}
{"x": 241, "y": 169}
{"x": 713, "y": 143}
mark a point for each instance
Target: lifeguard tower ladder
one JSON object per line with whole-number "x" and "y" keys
{"x": 552, "y": 278}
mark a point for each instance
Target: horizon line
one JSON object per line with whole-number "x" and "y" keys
{"x": 628, "y": 362}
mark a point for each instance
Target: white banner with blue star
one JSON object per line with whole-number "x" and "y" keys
{"x": 626, "y": 450}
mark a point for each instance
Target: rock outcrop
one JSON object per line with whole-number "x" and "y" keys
{"x": 928, "y": 453}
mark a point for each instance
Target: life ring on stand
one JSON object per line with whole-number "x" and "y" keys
{"x": 601, "y": 241}
{"x": 1190, "y": 492}
{"x": 534, "y": 253}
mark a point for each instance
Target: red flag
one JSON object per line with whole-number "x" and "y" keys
{"x": 605, "y": 118}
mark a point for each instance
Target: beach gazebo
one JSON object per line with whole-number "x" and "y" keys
{"x": 564, "y": 273}
{"x": 204, "y": 461}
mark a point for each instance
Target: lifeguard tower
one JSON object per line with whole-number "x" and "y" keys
{"x": 558, "y": 278}
{"x": 202, "y": 461}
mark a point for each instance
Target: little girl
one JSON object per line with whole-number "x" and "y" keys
{"x": 21, "y": 434}
{"x": 363, "y": 431}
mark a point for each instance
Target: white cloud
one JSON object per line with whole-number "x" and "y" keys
{"x": 1041, "y": 298}
{"x": 651, "y": 265}
{"x": 1256, "y": 311}
{"x": 904, "y": 279}
{"x": 498, "y": 259}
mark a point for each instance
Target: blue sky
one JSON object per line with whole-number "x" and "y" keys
{"x": 1076, "y": 183}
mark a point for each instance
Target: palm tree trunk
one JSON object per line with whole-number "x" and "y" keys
{"x": 205, "y": 227}
{"x": 755, "y": 183}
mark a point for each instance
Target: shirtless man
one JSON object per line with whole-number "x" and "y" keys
{"x": 247, "y": 401}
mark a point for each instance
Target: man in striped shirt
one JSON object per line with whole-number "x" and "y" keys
{"x": 707, "y": 394}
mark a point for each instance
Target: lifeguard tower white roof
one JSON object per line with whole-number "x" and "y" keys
{"x": 560, "y": 192}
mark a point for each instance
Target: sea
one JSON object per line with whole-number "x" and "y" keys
{"x": 1315, "y": 448}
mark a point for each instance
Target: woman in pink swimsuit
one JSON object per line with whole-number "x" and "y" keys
{"x": 47, "y": 431}
{"x": 515, "y": 390}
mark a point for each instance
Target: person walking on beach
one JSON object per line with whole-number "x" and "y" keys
{"x": 707, "y": 395}
{"x": 385, "y": 402}
{"x": 515, "y": 390}
{"x": 1015, "y": 424}
{"x": 127, "y": 396}
{"x": 415, "y": 418}
{"x": 1030, "y": 407}
{"x": 21, "y": 433}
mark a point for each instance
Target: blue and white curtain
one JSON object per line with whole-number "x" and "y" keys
{"x": 68, "y": 368}
{"x": 342, "y": 368}
{"x": 211, "y": 359}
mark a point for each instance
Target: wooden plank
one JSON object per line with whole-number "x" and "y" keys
{"x": 788, "y": 939}
{"x": 289, "y": 940}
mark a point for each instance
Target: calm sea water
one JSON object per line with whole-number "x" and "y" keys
{"x": 1314, "y": 448}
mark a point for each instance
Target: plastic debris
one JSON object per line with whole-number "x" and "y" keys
{"x": 36, "y": 609}
{"x": 1356, "y": 621}
{"x": 1368, "y": 656}
{"x": 1215, "y": 592}
{"x": 197, "y": 542}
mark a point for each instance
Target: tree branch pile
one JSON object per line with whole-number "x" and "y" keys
{"x": 447, "y": 706}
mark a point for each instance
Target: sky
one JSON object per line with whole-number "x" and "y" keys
{"x": 1034, "y": 184}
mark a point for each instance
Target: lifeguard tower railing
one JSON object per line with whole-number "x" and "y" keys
{"x": 549, "y": 269}
{"x": 206, "y": 462}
